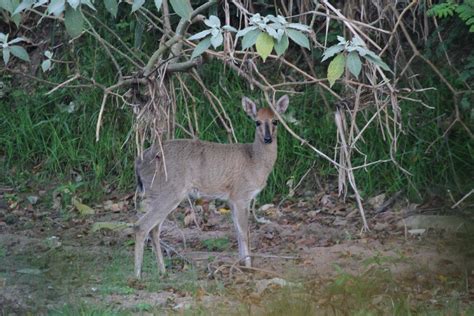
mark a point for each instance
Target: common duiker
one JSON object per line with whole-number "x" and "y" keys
{"x": 232, "y": 172}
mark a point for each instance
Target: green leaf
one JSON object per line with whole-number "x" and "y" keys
{"x": 245, "y": 30}
{"x": 375, "y": 59}
{"x": 25, "y": 4}
{"x": 282, "y": 45}
{"x": 333, "y": 50}
{"x": 299, "y": 26}
{"x": 158, "y": 4}
{"x": 82, "y": 208}
{"x": 137, "y": 4}
{"x": 46, "y": 65}
{"x": 74, "y": 3}
{"x": 16, "y": 19}
{"x": 298, "y": 37}
{"x": 182, "y": 8}
{"x": 229, "y": 28}
{"x": 112, "y": 7}
{"x": 201, "y": 47}
{"x": 56, "y": 7}
{"x": 19, "y": 52}
{"x": 89, "y": 4}
{"x": 6, "y": 54}
{"x": 213, "y": 21}
{"x": 217, "y": 40}
{"x": 336, "y": 68}
{"x": 250, "y": 38}
{"x": 354, "y": 64}
{"x": 264, "y": 45}
{"x": 199, "y": 35}
{"x": 6, "y": 5}
{"x": 73, "y": 21}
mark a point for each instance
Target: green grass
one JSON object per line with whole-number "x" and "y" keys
{"x": 41, "y": 142}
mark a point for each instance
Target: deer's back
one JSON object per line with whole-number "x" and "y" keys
{"x": 201, "y": 167}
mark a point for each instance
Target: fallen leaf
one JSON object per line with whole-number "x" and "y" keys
{"x": 189, "y": 219}
{"x": 223, "y": 210}
{"x": 33, "y": 199}
{"x": 82, "y": 208}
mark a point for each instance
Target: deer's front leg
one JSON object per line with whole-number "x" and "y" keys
{"x": 241, "y": 223}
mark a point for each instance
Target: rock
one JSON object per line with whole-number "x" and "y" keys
{"x": 418, "y": 231}
{"x": 262, "y": 285}
{"x": 339, "y": 221}
{"x": 380, "y": 226}
{"x": 377, "y": 201}
{"x": 449, "y": 223}
{"x": 313, "y": 214}
{"x": 308, "y": 194}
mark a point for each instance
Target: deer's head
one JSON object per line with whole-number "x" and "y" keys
{"x": 265, "y": 119}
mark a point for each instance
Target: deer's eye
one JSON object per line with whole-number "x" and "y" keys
{"x": 258, "y": 123}
{"x": 275, "y": 122}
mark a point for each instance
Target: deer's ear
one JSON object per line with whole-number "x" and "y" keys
{"x": 282, "y": 104}
{"x": 249, "y": 107}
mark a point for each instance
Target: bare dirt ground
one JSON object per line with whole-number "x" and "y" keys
{"x": 310, "y": 256}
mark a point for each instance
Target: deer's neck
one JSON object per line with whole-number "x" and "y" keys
{"x": 265, "y": 154}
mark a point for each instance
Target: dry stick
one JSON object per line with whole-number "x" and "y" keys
{"x": 188, "y": 115}
{"x": 59, "y": 86}
{"x": 299, "y": 138}
{"x": 399, "y": 20}
{"x": 99, "y": 119}
{"x": 345, "y": 19}
{"x": 166, "y": 17}
{"x": 443, "y": 79}
{"x": 351, "y": 27}
{"x": 350, "y": 174}
{"x": 210, "y": 96}
{"x": 130, "y": 51}
{"x": 102, "y": 42}
{"x": 461, "y": 200}
{"x": 180, "y": 30}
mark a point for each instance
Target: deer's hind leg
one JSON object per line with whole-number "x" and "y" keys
{"x": 157, "y": 209}
{"x": 155, "y": 241}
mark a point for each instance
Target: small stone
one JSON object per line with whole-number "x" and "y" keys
{"x": 313, "y": 214}
{"x": 339, "y": 221}
{"x": 308, "y": 194}
{"x": 380, "y": 226}
{"x": 419, "y": 231}
{"x": 33, "y": 199}
{"x": 377, "y": 201}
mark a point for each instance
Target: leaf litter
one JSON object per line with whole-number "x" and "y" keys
{"x": 296, "y": 250}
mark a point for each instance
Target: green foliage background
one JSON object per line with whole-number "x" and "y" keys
{"x": 40, "y": 142}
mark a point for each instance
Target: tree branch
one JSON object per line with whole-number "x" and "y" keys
{"x": 180, "y": 31}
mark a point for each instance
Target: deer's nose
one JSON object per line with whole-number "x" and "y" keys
{"x": 268, "y": 137}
